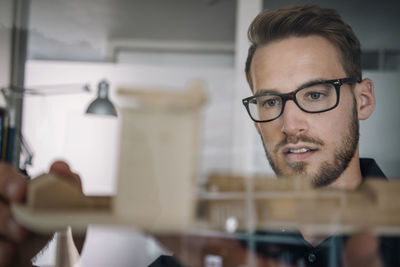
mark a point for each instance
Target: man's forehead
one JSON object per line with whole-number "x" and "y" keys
{"x": 294, "y": 61}
{"x": 301, "y": 85}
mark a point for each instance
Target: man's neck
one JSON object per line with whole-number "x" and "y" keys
{"x": 313, "y": 240}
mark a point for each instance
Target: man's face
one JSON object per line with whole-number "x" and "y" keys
{"x": 321, "y": 145}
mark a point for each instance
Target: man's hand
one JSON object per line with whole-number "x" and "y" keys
{"x": 13, "y": 188}
{"x": 362, "y": 250}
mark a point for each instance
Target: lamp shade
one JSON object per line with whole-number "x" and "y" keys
{"x": 102, "y": 105}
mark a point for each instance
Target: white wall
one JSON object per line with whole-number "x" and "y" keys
{"x": 379, "y": 135}
{"x": 56, "y": 127}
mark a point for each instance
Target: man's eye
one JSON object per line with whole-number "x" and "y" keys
{"x": 315, "y": 95}
{"x": 270, "y": 102}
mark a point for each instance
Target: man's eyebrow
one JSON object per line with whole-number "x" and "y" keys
{"x": 305, "y": 84}
{"x": 266, "y": 91}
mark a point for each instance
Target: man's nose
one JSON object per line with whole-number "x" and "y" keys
{"x": 293, "y": 119}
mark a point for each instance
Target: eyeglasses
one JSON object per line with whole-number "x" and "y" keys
{"x": 315, "y": 97}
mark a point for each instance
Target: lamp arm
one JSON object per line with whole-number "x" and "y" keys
{"x": 43, "y": 91}
{"x": 25, "y": 148}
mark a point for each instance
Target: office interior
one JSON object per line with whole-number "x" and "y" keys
{"x": 166, "y": 45}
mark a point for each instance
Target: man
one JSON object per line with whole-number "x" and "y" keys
{"x": 304, "y": 70}
{"x": 311, "y": 131}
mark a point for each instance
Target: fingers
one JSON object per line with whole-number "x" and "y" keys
{"x": 362, "y": 250}
{"x": 7, "y": 252}
{"x": 12, "y": 183}
{"x": 13, "y": 187}
{"x": 62, "y": 169}
{"x": 9, "y": 229}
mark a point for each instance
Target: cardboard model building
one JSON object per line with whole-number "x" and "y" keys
{"x": 157, "y": 189}
{"x": 293, "y": 203}
{"x": 157, "y": 168}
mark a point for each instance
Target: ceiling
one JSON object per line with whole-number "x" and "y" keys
{"x": 80, "y": 29}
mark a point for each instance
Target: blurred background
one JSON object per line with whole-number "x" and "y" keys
{"x": 167, "y": 44}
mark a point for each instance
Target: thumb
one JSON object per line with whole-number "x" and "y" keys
{"x": 62, "y": 170}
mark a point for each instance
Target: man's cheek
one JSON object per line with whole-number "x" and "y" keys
{"x": 271, "y": 139}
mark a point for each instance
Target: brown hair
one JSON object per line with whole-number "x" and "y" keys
{"x": 301, "y": 21}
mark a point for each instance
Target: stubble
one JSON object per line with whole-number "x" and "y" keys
{"x": 328, "y": 171}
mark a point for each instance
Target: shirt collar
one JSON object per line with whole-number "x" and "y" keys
{"x": 369, "y": 168}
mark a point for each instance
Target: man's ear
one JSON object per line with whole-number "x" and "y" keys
{"x": 365, "y": 96}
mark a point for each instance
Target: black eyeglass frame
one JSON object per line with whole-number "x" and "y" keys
{"x": 337, "y": 83}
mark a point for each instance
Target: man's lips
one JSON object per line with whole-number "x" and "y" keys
{"x": 298, "y": 152}
{"x": 298, "y": 149}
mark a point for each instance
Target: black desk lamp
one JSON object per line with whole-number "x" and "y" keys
{"x": 102, "y": 105}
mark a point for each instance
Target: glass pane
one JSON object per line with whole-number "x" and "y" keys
{"x": 317, "y": 97}
{"x": 265, "y": 107}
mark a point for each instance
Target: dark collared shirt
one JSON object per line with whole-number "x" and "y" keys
{"x": 292, "y": 248}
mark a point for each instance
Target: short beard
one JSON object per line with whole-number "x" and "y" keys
{"x": 327, "y": 172}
